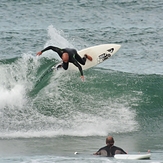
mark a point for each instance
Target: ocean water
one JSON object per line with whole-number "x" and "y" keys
{"x": 122, "y": 97}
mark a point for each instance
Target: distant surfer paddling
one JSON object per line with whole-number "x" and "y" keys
{"x": 110, "y": 150}
{"x": 68, "y": 55}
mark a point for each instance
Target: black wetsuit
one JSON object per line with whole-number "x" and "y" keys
{"x": 74, "y": 57}
{"x": 111, "y": 150}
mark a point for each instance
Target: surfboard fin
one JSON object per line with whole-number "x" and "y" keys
{"x": 59, "y": 66}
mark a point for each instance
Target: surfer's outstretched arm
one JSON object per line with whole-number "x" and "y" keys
{"x": 56, "y": 49}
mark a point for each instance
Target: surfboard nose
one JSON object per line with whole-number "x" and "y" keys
{"x": 116, "y": 47}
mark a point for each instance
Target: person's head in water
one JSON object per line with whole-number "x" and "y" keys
{"x": 110, "y": 141}
{"x": 65, "y": 57}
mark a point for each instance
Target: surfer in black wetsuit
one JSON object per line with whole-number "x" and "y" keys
{"x": 69, "y": 55}
{"x": 110, "y": 150}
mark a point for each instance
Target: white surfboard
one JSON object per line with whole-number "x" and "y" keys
{"x": 99, "y": 54}
{"x": 133, "y": 156}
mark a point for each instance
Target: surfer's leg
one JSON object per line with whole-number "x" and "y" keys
{"x": 80, "y": 60}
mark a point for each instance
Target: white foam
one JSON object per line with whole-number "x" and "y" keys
{"x": 12, "y": 97}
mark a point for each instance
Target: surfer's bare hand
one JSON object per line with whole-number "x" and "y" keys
{"x": 39, "y": 53}
{"x": 82, "y": 78}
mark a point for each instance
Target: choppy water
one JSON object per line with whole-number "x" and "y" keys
{"x": 122, "y": 97}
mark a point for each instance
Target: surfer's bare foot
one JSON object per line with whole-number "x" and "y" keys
{"x": 88, "y": 57}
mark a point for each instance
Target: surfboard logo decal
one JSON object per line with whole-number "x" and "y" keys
{"x": 106, "y": 55}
